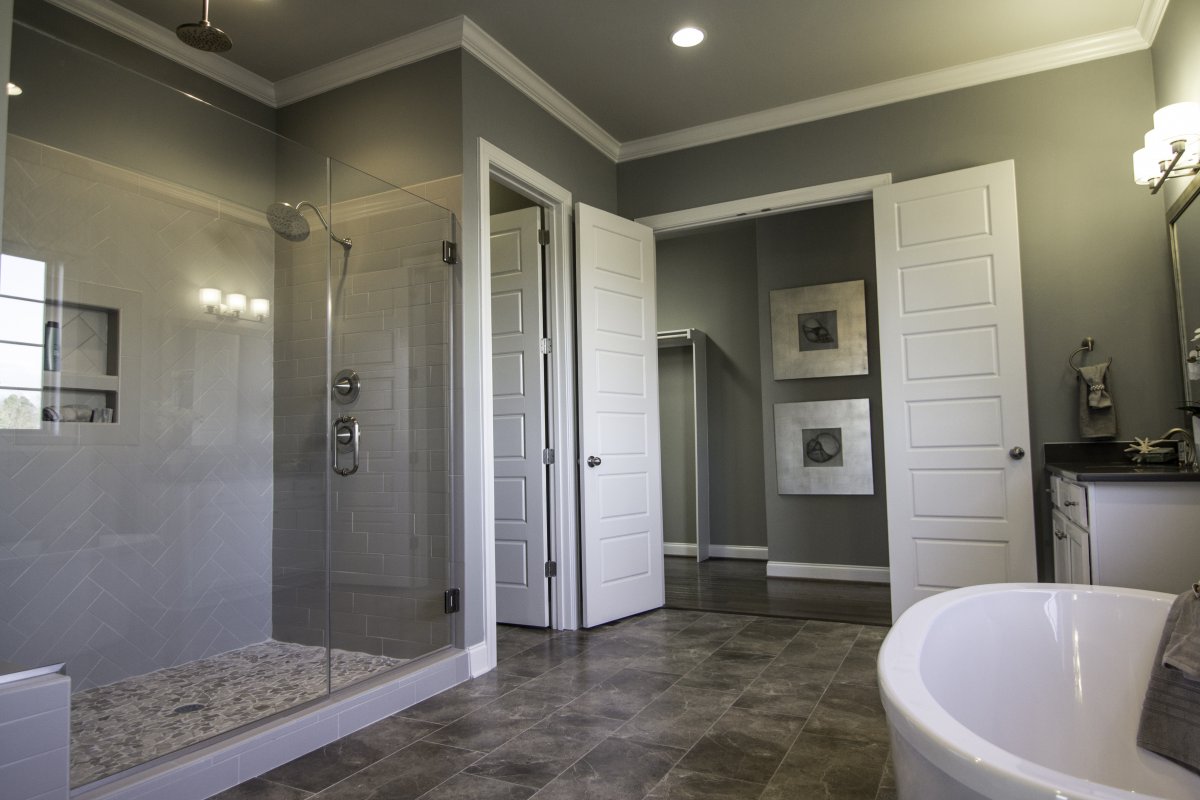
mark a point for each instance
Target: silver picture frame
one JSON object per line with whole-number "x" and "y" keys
{"x": 819, "y": 331}
{"x": 824, "y": 447}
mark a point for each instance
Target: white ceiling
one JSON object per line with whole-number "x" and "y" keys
{"x": 610, "y": 63}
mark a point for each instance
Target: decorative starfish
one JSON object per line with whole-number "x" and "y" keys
{"x": 1142, "y": 448}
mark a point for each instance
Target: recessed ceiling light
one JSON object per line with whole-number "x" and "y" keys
{"x": 13, "y": 89}
{"x": 687, "y": 37}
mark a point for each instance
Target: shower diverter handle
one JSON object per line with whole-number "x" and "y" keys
{"x": 345, "y": 433}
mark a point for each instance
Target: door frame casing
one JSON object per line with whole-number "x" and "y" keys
{"x": 556, "y": 201}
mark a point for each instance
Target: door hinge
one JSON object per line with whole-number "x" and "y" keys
{"x": 548, "y": 455}
{"x": 544, "y": 236}
{"x": 545, "y": 347}
{"x": 449, "y": 252}
{"x": 551, "y": 569}
{"x": 452, "y": 601}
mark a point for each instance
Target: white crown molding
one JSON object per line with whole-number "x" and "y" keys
{"x": 414, "y": 47}
{"x": 1039, "y": 59}
{"x": 154, "y": 37}
{"x": 478, "y": 43}
{"x": 1150, "y": 18}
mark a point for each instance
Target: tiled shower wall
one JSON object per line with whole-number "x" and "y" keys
{"x": 389, "y": 544}
{"x": 126, "y": 548}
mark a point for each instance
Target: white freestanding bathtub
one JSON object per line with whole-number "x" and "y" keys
{"x": 1015, "y": 691}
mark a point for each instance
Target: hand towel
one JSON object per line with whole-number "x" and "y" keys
{"x": 1170, "y": 724}
{"x": 1097, "y": 414}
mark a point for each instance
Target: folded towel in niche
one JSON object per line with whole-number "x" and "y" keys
{"x": 1097, "y": 414}
{"x": 1170, "y": 724}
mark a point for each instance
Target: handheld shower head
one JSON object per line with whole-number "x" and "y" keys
{"x": 203, "y": 36}
{"x": 287, "y": 221}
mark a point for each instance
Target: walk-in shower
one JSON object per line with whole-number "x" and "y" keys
{"x": 171, "y": 525}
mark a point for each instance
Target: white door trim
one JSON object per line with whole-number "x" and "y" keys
{"x": 495, "y": 164}
{"x": 766, "y": 205}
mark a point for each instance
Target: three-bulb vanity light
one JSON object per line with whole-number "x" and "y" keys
{"x": 1172, "y": 148}
{"x": 234, "y": 305}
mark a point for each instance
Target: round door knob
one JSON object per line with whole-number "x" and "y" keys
{"x": 592, "y": 461}
{"x": 1017, "y": 453}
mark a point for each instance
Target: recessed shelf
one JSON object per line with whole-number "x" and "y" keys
{"x": 80, "y": 381}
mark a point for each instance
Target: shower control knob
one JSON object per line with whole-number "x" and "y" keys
{"x": 1017, "y": 453}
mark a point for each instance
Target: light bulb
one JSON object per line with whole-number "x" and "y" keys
{"x": 236, "y": 302}
{"x": 260, "y": 307}
{"x": 687, "y": 37}
{"x": 210, "y": 298}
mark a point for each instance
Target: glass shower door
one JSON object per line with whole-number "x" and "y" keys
{"x": 389, "y": 426}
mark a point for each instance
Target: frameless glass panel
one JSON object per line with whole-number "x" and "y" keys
{"x": 390, "y": 335}
{"x": 164, "y": 509}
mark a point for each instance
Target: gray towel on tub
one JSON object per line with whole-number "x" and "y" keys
{"x": 1097, "y": 415}
{"x": 1170, "y": 724}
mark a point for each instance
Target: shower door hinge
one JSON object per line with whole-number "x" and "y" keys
{"x": 452, "y": 601}
{"x": 551, "y": 569}
{"x": 548, "y": 455}
{"x": 449, "y": 252}
{"x": 544, "y": 347}
{"x": 544, "y": 237}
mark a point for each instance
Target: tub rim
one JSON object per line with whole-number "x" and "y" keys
{"x": 964, "y": 755}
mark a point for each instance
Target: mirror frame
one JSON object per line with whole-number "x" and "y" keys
{"x": 1181, "y": 204}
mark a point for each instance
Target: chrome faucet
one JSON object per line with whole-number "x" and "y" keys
{"x": 1187, "y": 452}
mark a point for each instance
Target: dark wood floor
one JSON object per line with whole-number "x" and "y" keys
{"x": 742, "y": 587}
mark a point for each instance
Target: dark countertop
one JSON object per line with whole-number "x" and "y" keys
{"x": 1107, "y": 461}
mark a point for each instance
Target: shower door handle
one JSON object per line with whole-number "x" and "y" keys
{"x": 345, "y": 432}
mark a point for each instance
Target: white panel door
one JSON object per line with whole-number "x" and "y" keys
{"x": 955, "y": 409}
{"x": 518, "y": 410}
{"x": 620, "y": 469}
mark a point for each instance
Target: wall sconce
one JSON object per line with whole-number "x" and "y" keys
{"x": 234, "y": 305}
{"x": 1172, "y": 148}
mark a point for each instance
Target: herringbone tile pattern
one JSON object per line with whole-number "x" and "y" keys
{"x": 122, "y": 559}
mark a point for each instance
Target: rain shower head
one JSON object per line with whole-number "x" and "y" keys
{"x": 287, "y": 221}
{"x": 203, "y": 36}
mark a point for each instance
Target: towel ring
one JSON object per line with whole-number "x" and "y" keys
{"x": 1088, "y": 344}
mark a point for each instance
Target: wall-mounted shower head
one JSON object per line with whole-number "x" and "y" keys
{"x": 287, "y": 221}
{"x": 203, "y": 36}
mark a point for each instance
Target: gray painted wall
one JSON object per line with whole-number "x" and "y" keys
{"x": 77, "y": 31}
{"x": 403, "y": 126}
{"x": 708, "y": 280}
{"x": 1094, "y": 250}
{"x": 824, "y": 245}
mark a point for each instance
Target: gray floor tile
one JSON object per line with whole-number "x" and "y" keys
{"x": 859, "y": 665}
{"x": 465, "y": 698}
{"x": 745, "y": 745}
{"x": 678, "y": 717}
{"x": 623, "y": 695}
{"x": 726, "y": 671}
{"x": 576, "y": 676}
{"x": 683, "y": 784}
{"x": 472, "y": 787}
{"x": 838, "y": 630}
{"x": 674, "y": 658}
{"x": 887, "y": 783}
{"x": 815, "y": 651}
{"x": 496, "y": 723}
{"x": 818, "y": 766}
{"x": 324, "y": 767}
{"x": 789, "y": 690}
{"x": 873, "y": 633}
{"x": 850, "y": 711}
{"x": 616, "y": 769}
{"x": 768, "y": 636}
{"x": 541, "y": 657}
{"x": 259, "y": 789}
{"x": 404, "y": 775}
{"x": 540, "y": 754}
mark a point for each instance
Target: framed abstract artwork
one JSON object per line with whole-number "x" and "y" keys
{"x": 824, "y": 447}
{"x": 819, "y": 331}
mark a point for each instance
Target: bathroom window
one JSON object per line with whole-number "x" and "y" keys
{"x": 22, "y": 338}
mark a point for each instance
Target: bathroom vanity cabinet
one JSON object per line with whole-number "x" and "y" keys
{"x": 1122, "y": 526}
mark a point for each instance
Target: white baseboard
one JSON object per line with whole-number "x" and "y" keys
{"x": 477, "y": 658}
{"x": 827, "y": 572}
{"x": 717, "y": 551}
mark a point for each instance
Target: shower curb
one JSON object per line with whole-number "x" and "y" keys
{"x": 199, "y": 773}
